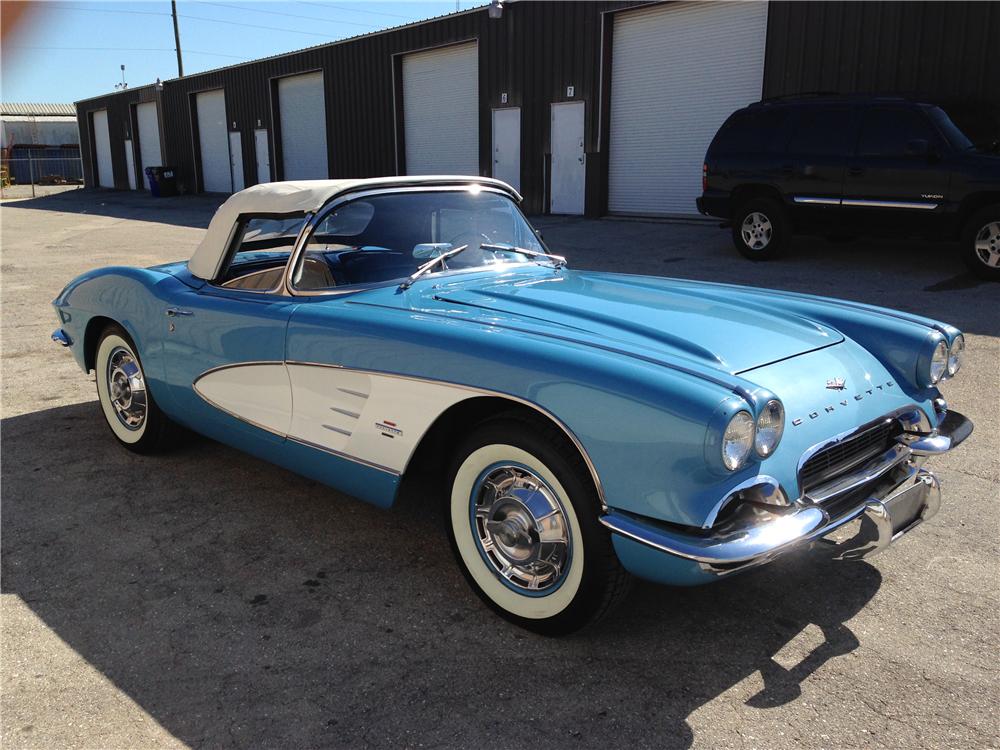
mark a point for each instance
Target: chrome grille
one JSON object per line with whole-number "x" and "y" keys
{"x": 835, "y": 459}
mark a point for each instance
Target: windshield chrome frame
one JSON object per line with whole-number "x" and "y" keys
{"x": 317, "y": 217}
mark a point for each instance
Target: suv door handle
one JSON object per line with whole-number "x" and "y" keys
{"x": 856, "y": 171}
{"x": 176, "y": 311}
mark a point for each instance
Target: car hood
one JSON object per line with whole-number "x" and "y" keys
{"x": 647, "y": 316}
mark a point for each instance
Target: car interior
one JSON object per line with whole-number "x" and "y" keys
{"x": 377, "y": 239}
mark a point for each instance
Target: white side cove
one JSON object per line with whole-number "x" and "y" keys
{"x": 302, "y": 113}
{"x": 149, "y": 138}
{"x": 214, "y": 141}
{"x": 663, "y": 116}
{"x": 374, "y": 419}
{"x": 102, "y": 143}
{"x": 441, "y": 110}
{"x": 258, "y": 394}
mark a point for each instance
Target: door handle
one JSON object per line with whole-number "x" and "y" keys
{"x": 856, "y": 171}
{"x": 173, "y": 312}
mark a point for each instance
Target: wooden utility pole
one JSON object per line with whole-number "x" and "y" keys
{"x": 177, "y": 39}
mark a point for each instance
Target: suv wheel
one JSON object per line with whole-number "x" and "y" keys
{"x": 760, "y": 229}
{"x": 981, "y": 243}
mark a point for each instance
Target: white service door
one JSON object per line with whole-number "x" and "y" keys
{"x": 507, "y": 146}
{"x": 263, "y": 155}
{"x": 130, "y": 164}
{"x": 236, "y": 159}
{"x": 677, "y": 72}
{"x": 302, "y": 112}
{"x": 102, "y": 144}
{"x": 569, "y": 162}
{"x": 149, "y": 138}
{"x": 213, "y": 135}
{"x": 441, "y": 110}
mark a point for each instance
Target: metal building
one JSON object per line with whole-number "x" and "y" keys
{"x": 585, "y": 107}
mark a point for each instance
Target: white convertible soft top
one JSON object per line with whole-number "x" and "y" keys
{"x": 298, "y": 197}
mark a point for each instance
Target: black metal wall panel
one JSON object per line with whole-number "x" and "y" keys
{"x": 533, "y": 53}
{"x": 940, "y": 49}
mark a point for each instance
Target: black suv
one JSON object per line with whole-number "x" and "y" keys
{"x": 856, "y": 165}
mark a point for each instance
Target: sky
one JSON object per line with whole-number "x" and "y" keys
{"x": 67, "y": 51}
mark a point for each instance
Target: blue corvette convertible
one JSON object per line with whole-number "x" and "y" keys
{"x": 586, "y": 426}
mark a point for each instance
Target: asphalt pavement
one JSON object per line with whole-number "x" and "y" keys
{"x": 205, "y": 598}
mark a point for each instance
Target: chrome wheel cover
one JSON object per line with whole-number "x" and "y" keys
{"x": 988, "y": 244}
{"x": 756, "y": 231}
{"x": 126, "y": 388}
{"x": 521, "y": 529}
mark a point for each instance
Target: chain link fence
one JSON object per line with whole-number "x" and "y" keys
{"x": 30, "y": 176}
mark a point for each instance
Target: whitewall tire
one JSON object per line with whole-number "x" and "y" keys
{"x": 126, "y": 401}
{"x": 523, "y": 522}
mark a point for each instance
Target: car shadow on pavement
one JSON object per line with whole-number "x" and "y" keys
{"x": 239, "y": 604}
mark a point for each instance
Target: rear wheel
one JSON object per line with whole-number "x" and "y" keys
{"x": 760, "y": 229}
{"x": 523, "y": 523}
{"x": 981, "y": 243}
{"x": 129, "y": 409}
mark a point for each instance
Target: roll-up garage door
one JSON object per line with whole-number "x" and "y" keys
{"x": 678, "y": 71}
{"x": 441, "y": 110}
{"x": 302, "y": 110}
{"x": 149, "y": 138}
{"x": 213, "y": 136}
{"x": 102, "y": 145}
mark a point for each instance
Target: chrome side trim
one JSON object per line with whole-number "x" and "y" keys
{"x": 856, "y": 202}
{"x": 472, "y": 389}
{"x": 816, "y": 201}
{"x": 862, "y": 203}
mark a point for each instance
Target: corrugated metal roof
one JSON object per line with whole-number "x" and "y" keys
{"x": 32, "y": 108}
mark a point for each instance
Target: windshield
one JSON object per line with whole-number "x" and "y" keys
{"x": 387, "y": 237}
{"x": 966, "y": 127}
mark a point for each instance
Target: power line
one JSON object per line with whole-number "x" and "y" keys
{"x": 107, "y": 10}
{"x": 125, "y": 49}
{"x": 355, "y": 10}
{"x": 255, "y": 26}
{"x": 289, "y": 15}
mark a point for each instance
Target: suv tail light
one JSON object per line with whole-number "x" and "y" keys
{"x": 704, "y": 178}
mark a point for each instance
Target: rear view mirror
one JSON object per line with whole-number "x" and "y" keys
{"x": 430, "y": 250}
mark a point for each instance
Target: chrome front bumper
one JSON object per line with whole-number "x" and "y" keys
{"x": 899, "y": 502}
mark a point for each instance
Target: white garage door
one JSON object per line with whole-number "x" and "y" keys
{"x": 302, "y": 110}
{"x": 102, "y": 144}
{"x": 441, "y": 110}
{"x": 149, "y": 138}
{"x": 214, "y": 141}
{"x": 678, "y": 71}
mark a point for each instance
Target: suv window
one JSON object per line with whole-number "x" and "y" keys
{"x": 261, "y": 252}
{"x": 885, "y": 131}
{"x": 821, "y": 131}
{"x": 749, "y": 132}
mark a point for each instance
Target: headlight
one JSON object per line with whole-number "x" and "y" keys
{"x": 955, "y": 354}
{"x": 770, "y": 425}
{"x": 737, "y": 441}
{"x": 939, "y": 362}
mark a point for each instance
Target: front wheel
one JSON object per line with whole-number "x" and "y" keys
{"x": 981, "y": 243}
{"x": 760, "y": 229}
{"x": 523, "y": 523}
{"x": 129, "y": 409}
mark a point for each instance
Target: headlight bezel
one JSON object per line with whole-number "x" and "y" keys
{"x": 741, "y": 421}
{"x": 955, "y": 354}
{"x": 937, "y": 368}
{"x": 773, "y": 409}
